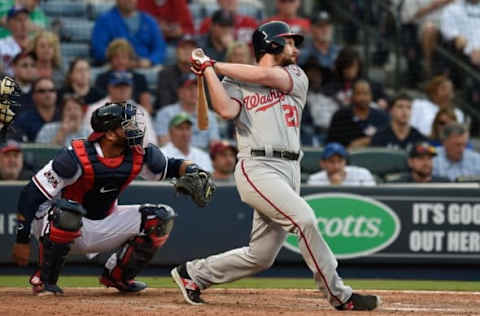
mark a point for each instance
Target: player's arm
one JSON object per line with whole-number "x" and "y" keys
{"x": 225, "y": 106}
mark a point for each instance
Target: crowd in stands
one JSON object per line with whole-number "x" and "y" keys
{"x": 139, "y": 51}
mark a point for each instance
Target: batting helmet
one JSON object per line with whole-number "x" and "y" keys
{"x": 270, "y": 37}
{"x": 115, "y": 115}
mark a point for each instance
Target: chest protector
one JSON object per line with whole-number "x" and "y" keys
{"x": 102, "y": 180}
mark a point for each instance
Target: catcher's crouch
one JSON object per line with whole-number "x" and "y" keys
{"x": 70, "y": 205}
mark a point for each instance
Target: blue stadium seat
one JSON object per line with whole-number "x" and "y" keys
{"x": 95, "y": 10}
{"x": 62, "y": 8}
{"x": 152, "y": 76}
{"x": 380, "y": 161}
{"x": 75, "y": 50}
{"x": 77, "y": 30}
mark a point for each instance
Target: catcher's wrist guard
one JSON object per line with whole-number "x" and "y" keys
{"x": 23, "y": 232}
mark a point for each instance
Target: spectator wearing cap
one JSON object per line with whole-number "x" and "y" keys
{"x": 25, "y": 73}
{"x": 170, "y": 76}
{"x": 243, "y": 25}
{"x": 355, "y": 126}
{"x": 120, "y": 90}
{"x": 68, "y": 128}
{"x": 287, "y": 11}
{"x": 454, "y": 160}
{"x": 37, "y": 19}
{"x": 121, "y": 57}
{"x": 11, "y": 162}
{"x": 10, "y": 46}
{"x": 224, "y": 158}
{"x": 320, "y": 47}
{"x": 399, "y": 134}
{"x": 187, "y": 102}
{"x": 420, "y": 162}
{"x": 335, "y": 169}
{"x": 138, "y": 28}
{"x": 220, "y": 36}
{"x": 173, "y": 17}
{"x": 44, "y": 109}
{"x": 180, "y": 144}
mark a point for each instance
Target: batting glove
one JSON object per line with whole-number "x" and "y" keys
{"x": 200, "y": 62}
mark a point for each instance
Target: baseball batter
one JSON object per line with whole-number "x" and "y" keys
{"x": 266, "y": 101}
{"x": 71, "y": 204}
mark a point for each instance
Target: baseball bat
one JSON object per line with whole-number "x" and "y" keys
{"x": 202, "y": 106}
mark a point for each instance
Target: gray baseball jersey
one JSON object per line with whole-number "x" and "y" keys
{"x": 270, "y": 119}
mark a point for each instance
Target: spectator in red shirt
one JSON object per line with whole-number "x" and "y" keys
{"x": 243, "y": 25}
{"x": 173, "y": 16}
{"x": 287, "y": 11}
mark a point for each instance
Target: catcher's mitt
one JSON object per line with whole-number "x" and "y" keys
{"x": 198, "y": 184}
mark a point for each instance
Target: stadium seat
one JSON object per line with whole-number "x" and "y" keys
{"x": 380, "y": 161}
{"x": 63, "y": 8}
{"x": 73, "y": 50}
{"x": 77, "y": 30}
{"x": 311, "y": 160}
{"x": 38, "y": 155}
{"x": 97, "y": 9}
{"x": 152, "y": 76}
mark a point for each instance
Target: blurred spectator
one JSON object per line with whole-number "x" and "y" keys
{"x": 25, "y": 73}
{"x": 243, "y": 24}
{"x": 44, "y": 108}
{"x": 224, "y": 157}
{"x": 399, "y": 134}
{"x": 420, "y": 161}
{"x": 169, "y": 77}
{"x": 220, "y": 35}
{"x": 454, "y": 159}
{"x": 140, "y": 29}
{"x": 121, "y": 57}
{"x": 78, "y": 83}
{"x": 440, "y": 94}
{"x": 120, "y": 90}
{"x": 287, "y": 11}
{"x": 321, "y": 46}
{"x": 10, "y": 46}
{"x": 46, "y": 47}
{"x": 173, "y": 16}
{"x": 70, "y": 127}
{"x": 187, "y": 102}
{"x": 442, "y": 119}
{"x": 239, "y": 53}
{"x": 426, "y": 16}
{"x": 335, "y": 169}
{"x": 11, "y": 162}
{"x": 319, "y": 108}
{"x": 459, "y": 24}
{"x": 355, "y": 126}
{"x": 37, "y": 19}
{"x": 348, "y": 68}
{"x": 180, "y": 144}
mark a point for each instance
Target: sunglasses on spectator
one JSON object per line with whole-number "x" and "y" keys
{"x": 45, "y": 90}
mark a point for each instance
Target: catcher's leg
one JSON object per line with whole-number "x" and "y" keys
{"x": 125, "y": 264}
{"x": 64, "y": 223}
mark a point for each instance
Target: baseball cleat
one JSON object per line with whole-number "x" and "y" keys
{"x": 359, "y": 302}
{"x": 47, "y": 289}
{"x": 190, "y": 290}
{"x": 130, "y": 286}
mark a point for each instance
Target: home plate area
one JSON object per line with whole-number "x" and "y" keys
{"x": 275, "y": 302}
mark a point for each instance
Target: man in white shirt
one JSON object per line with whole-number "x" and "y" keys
{"x": 336, "y": 172}
{"x": 180, "y": 144}
{"x": 10, "y": 46}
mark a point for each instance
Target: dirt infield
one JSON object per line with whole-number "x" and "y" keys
{"x": 98, "y": 301}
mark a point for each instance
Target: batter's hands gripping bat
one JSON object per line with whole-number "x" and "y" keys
{"x": 200, "y": 61}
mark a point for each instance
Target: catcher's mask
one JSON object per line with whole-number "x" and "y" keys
{"x": 9, "y": 92}
{"x": 114, "y": 115}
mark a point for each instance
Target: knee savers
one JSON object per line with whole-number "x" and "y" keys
{"x": 65, "y": 221}
{"x": 156, "y": 225}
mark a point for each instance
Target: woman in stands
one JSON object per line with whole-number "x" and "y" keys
{"x": 78, "y": 82}
{"x": 46, "y": 47}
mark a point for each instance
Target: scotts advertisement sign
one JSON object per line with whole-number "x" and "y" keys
{"x": 352, "y": 225}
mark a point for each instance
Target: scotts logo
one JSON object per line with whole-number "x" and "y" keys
{"x": 352, "y": 225}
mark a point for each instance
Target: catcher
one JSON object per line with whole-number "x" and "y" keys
{"x": 9, "y": 90}
{"x": 70, "y": 205}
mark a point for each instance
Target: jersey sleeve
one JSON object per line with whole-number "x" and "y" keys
{"x": 299, "y": 82}
{"x": 60, "y": 172}
{"x": 233, "y": 89}
{"x": 155, "y": 164}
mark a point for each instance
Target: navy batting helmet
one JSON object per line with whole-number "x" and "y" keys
{"x": 269, "y": 38}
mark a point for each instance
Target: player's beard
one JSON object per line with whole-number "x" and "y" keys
{"x": 284, "y": 60}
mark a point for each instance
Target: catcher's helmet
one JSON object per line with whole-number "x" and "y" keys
{"x": 270, "y": 38}
{"x": 114, "y": 115}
